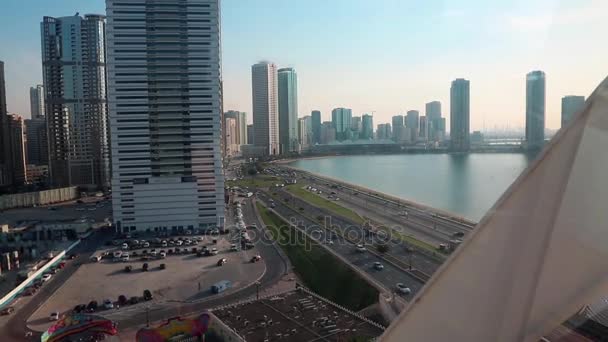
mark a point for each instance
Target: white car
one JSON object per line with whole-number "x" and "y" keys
{"x": 403, "y": 289}
{"x": 360, "y": 248}
{"x": 54, "y": 316}
{"x": 125, "y": 246}
{"x": 163, "y": 255}
{"x": 124, "y": 257}
{"x": 234, "y": 248}
{"x": 146, "y": 244}
{"x": 46, "y": 277}
{"x": 378, "y": 265}
{"x": 108, "y": 304}
{"x": 214, "y": 251}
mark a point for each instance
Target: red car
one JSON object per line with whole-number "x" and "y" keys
{"x": 61, "y": 265}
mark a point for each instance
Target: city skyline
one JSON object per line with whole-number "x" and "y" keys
{"x": 396, "y": 85}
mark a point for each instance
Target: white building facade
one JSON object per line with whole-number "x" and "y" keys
{"x": 164, "y": 95}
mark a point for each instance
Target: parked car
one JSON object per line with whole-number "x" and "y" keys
{"x": 214, "y": 251}
{"x": 256, "y": 258}
{"x": 46, "y": 277}
{"x": 133, "y": 300}
{"x": 54, "y": 316}
{"x": 144, "y": 267}
{"x": 234, "y": 248}
{"x": 147, "y": 295}
{"x": 72, "y": 256}
{"x": 162, "y": 266}
{"x": 29, "y": 291}
{"x": 146, "y": 245}
{"x": 403, "y": 289}
{"x": 163, "y": 255}
{"x": 125, "y": 246}
{"x": 222, "y": 261}
{"x": 8, "y": 311}
{"x": 122, "y": 300}
{"x": 128, "y": 268}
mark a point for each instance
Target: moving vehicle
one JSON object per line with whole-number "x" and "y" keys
{"x": 403, "y": 289}
{"x": 255, "y": 258}
{"x": 107, "y": 303}
{"x": 360, "y": 248}
{"x": 222, "y": 261}
{"x": 378, "y": 265}
{"x": 46, "y": 277}
{"x": 95, "y": 258}
{"x": 8, "y": 311}
{"x": 221, "y": 286}
{"x": 54, "y": 316}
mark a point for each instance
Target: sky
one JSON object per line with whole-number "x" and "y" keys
{"x": 382, "y": 57}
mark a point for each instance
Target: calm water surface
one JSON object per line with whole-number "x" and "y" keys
{"x": 464, "y": 184}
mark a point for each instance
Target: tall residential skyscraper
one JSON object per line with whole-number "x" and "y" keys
{"x": 367, "y": 127}
{"x": 412, "y": 122}
{"x": 305, "y": 132}
{"x": 241, "y": 125}
{"x": 288, "y": 109}
{"x": 74, "y": 74}
{"x": 571, "y": 105}
{"x": 436, "y": 124}
{"x": 164, "y": 87}
{"x": 398, "y": 128}
{"x": 265, "y": 107}
{"x": 6, "y": 169}
{"x": 341, "y": 119}
{"x": 316, "y": 126}
{"x": 459, "y": 115}
{"x": 535, "y": 109}
{"x": 17, "y": 149}
{"x": 37, "y": 101}
{"x": 423, "y": 133}
{"x": 37, "y": 146}
{"x": 232, "y": 144}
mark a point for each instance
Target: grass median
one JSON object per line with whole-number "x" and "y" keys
{"x": 319, "y": 201}
{"x": 263, "y": 181}
{"x": 318, "y": 269}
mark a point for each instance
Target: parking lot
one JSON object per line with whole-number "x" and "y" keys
{"x": 186, "y": 277}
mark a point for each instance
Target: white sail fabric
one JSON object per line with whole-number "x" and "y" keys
{"x": 537, "y": 257}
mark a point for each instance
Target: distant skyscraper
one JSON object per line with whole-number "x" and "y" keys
{"x": 398, "y": 127}
{"x": 316, "y": 126}
{"x": 305, "y": 132}
{"x": 383, "y": 131}
{"x": 571, "y": 105}
{"x": 459, "y": 115}
{"x": 37, "y": 101}
{"x": 535, "y": 109}
{"x": 74, "y": 74}
{"x": 288, "y": 109}
{"x": 6, "y": 169}
{"x": 232, "y": 135}
{"x": 367, "y": 127}
{"x": 328, "y": 132}
{"x": 423, "y": 134}
{"x": 355, "y": 124}
{"x": 250, "y": 133}
{"x": 412, "y": 122}
{"x": 265, "y": 107}
{"x": 341, "y": 119}
{"x": 436, "y": 124}
{"x": 18, "y": 149}
{"x": 37, "y": 147}
{"x": 164, "y": 72}
{"x": 241, "y": 125}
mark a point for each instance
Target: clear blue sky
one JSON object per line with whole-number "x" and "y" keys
{"x": 384, "y": 56}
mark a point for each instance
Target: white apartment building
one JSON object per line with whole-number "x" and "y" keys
{"x": 164, "y": 96}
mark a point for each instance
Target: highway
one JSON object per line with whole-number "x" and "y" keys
{"x": 364, "y": 261}
{"x": 425, "y": 224}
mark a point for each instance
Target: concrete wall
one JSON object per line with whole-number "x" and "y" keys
{"x": 29, "y": 199}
